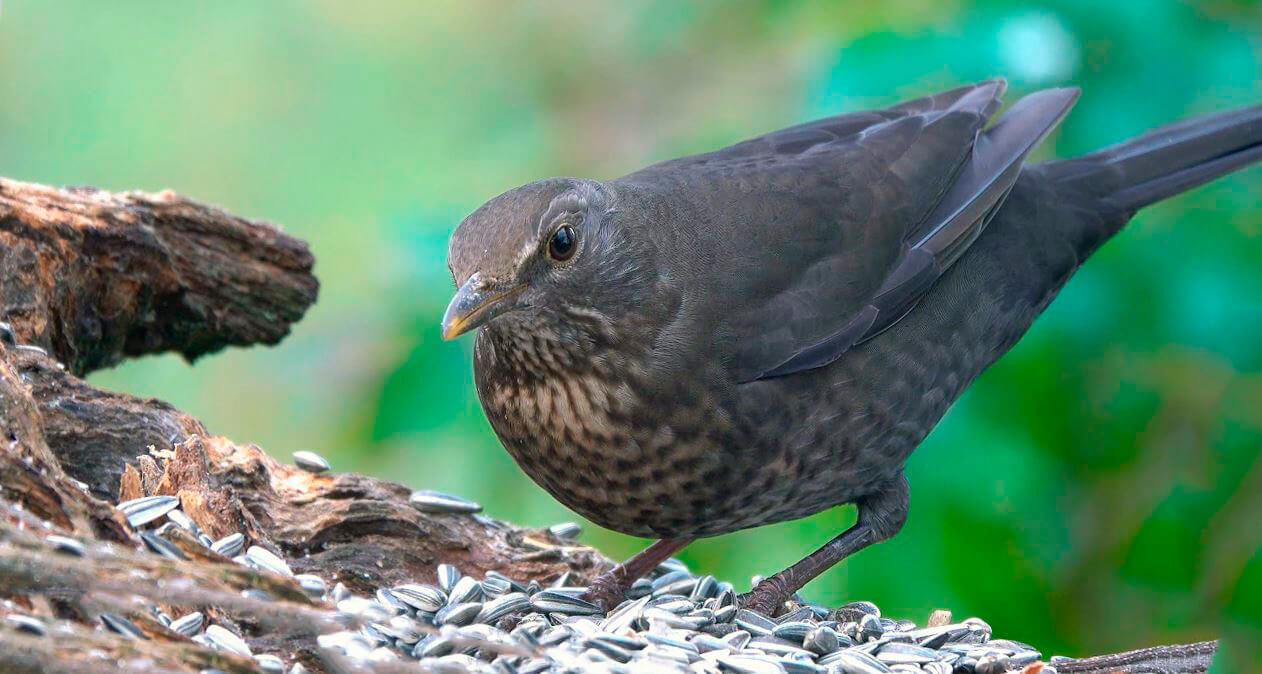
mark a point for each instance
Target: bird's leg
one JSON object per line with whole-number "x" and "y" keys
{"x": 881, "y": 515}
{"x": 610, "y": 587}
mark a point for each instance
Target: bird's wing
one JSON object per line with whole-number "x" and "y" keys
{"x": 846, "y": 222}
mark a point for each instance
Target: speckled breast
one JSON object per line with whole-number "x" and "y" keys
{"x": 677, "y": 461}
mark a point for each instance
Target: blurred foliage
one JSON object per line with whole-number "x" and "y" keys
{"x": 1098, "y": 489}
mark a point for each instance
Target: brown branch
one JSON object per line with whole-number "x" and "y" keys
{"x": 95, "y": 276}
{"x": 1180, "y": 659}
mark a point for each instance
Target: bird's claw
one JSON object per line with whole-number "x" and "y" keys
{"x": 765, "y": 598}
{"x": 605, "y": 592}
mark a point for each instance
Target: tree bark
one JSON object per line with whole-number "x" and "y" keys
{"x": 94, "y": 276}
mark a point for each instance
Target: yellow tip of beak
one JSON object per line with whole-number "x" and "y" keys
{"x": 474, "y": 305}
{"x": 454, "y": 328}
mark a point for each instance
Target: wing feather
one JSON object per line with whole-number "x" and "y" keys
{"x": 958, "y": 219}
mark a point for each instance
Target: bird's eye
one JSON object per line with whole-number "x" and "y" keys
{"x": 563, "y": 243}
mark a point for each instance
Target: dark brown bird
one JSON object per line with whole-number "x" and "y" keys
{"x": 762, "y": 332}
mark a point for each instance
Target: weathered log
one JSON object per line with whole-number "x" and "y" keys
{"x": 94, "y": 276}
{"x": 88, "y": 278}
{"x": 1181, "y": 659}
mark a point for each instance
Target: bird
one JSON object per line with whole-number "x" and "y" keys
{"x": 765, "y": 331}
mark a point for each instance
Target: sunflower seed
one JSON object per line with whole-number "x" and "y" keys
{"x": 754, "y": 623}
{"x": 448, "y": 576}
{"x": 566, "y": 531}
{"x": 671, "y": 564}
{"x": 433, "y": 647}
{"x": 905, "y": 654}
{"x": 870, "y": 628}
{"x": 166, "y": 526}
{"x": 313, "y": 585}
{"x": 340, "y": 592}
{"x": 141, "y": 511}
{"x": 661, "y": 640}
{"x": 122, "y": 626}
{"x": 617, "y": 653}
{"x": 404, "y": 629}
{"x": 512, "y": 584}
{"x": 737, "y": 639}
{"x": 681, "y": 588}
{"x": 25, "y": 623}
{"x": 494, "y": 587}
{"x": 705, "y": 588}
{"x": 7, "y": 335}
{"x": 741, "y": 664}
{"x": 67, "y": 545}
{"x": 376, "y": 634}
{"x": 230, "y": 545}
{"x": 222, "y": 639}
{"x": 349, "y": 643}
{"x": 30, "y": 348}
{"x": 551, "y": 601}
{"x": 467, "y": 589}
{"x": 161, "y": 546}
{"x": 852, "y": 661}
{"x": 257, "y": 594}
{"x": 802, "y": 667}
{"x": 640, "y": 588}
{"x": 1023, "y": 658}
{"x": 269, "y": 663}
{"x": 364, "y": 608}
{"x": 504, "y": 605}
{"x": 794, "y": 631}
{"x": 265, "y": 560}
{"x": 458, "y": 614}
{"x": 992, "y": 664}
{"x": 821, "y": 640}
{"x": 391, "y": 601}
{"x": 668, "y": 578}
{"x": 978, "y": 631}
{"x": 160, "y": 615}
{"x": 437, "y": 502}
{"x": 777, "y": 647}
{"x": 804, "y": 613}
{"x": 183, "y": 521}
{"x": 672, "y": 603}
{"x": 310, "y": 461}
{"x": 421, "y": 597}
{"x": 188, "y": 625}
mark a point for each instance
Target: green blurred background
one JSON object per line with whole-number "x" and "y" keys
{"x": 1098, "y": 489}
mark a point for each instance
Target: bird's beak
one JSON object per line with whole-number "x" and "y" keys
{"x": 475, "y": 304}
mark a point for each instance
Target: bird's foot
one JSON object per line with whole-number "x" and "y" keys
{"x": 610, "y": 588}
{"x": 606, "y": 591}
{"x": 767, "y": 597}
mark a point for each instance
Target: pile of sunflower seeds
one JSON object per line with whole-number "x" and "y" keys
{"x": 671, "y": 621}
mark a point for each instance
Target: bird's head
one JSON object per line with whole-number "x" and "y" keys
{"x": 538, "y": 253}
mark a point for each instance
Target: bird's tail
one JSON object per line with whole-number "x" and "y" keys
{"x": 1107, "y": 186}
{"x": 1165, "y": 161}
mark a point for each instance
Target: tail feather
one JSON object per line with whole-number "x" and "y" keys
{"x": 1166, "y": 161}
